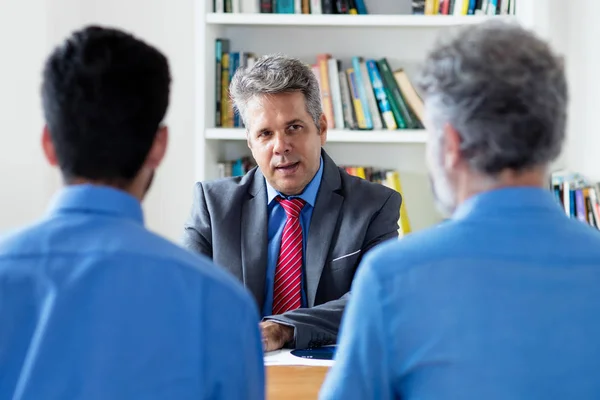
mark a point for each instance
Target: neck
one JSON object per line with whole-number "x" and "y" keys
{"x": 133, "y": 188}
{"x": 472, "y": 183}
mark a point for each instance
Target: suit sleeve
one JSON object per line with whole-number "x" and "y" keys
{"x": 319, "y": 325}
{"x": 197, "y": 232}
{"x": 362, "y": 368}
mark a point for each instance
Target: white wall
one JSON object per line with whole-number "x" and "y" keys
{"x": 583, "y": 66}
{"x": 168, "y": 25}
{"x": 27, "y": 181}
{"x": 41, "y": 24}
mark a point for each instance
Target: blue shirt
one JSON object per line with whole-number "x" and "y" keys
{"x": 500, "y": 302}
{"x": 94, "y": 306}
{"x": 277, "y": 219}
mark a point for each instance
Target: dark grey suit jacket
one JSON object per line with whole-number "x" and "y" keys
{"x": 228, "y": 223}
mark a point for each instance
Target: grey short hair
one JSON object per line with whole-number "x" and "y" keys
{"x": 272, "y": 74}
{"x": 503, "y": 90}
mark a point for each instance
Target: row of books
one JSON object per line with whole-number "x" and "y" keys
{"x": 365, "y": 95}
{"x": 316, "y": 7}
{"x": 238, "y": 167}
{"x": 464, "y": 7}
{"x": 291, "y": 6}
{"x": 578, "y": 196}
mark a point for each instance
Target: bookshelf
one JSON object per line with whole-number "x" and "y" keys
{"x": 336, "y": 135}
{"x": 372, "y": 21}
{"x": 402, "y": 39}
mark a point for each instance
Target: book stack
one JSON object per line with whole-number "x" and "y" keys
{"x": 314, "y": 7}
{"x": 237, "y": 167}
{"x": 577, "y": 196}
{"x": 366, "y": 94}
{"x": 464, "y": 7}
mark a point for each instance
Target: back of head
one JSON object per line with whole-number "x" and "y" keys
{"x": 105, "y": 94}
{"x": 503, "y": 90}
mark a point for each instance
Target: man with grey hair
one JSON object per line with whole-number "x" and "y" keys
{"x": 294, "y": 229}
{"x": 500, "y": 301}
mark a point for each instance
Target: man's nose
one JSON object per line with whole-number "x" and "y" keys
{"x": 282, "y": 143}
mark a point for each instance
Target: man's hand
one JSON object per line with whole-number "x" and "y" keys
{"x": 275, "y": 335}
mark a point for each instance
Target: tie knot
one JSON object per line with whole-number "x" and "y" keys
{"x": 292, "y": 207}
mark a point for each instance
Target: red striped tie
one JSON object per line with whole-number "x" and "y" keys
{"x": 288, "y": 273}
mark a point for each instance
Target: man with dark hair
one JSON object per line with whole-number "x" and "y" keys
{"x": 500, "y": 301}
{"x": 93, "y": 305}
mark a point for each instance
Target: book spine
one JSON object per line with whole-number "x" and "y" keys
{"x": 322, "y": 61}
{"x": 358, "y": 107}
{"x": 336, "y": 96}
{"x": 382, "y": 101}
{"x": 362, "y": 94}
{"x": 349, "y": 118}
{"x": 371, "y": 102}
{"x": 266, "y": 6}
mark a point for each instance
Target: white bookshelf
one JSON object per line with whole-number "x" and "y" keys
{"x": 372, "y": 21}
{"x": 336, "y": 135}
{"x": 402, "y": 39}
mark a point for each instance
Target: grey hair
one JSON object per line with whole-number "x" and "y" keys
{"x": 503, "y": 90}
{"x": 273, "y": 74}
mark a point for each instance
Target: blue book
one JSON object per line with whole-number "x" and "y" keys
{"x": 284, "y": 7}
{"x": 362, "y": 92}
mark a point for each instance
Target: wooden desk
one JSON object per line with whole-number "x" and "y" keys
{"x": 294, "y": 382}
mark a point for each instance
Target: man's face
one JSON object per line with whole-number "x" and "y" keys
{"x": 439, "y": 178}
{"x": 284, "y": 140}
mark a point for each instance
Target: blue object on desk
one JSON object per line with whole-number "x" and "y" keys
{"x": 317, "y": 353}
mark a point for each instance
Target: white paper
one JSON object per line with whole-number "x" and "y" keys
{"x": 284, "y": 357}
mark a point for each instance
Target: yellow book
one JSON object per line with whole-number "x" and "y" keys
{"x": 393, "y": 181}
{"x": 226, "y": 121}
{"x": 360, "y": 172}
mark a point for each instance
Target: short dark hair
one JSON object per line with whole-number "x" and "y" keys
{"x": 503, "y": 89}
{"x": 104, "y": 95}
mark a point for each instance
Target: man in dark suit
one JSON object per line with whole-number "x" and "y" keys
{"x": 294, "y": 229}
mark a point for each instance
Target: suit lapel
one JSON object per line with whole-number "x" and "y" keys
{"x": 254, "y": 238}
{"x": 322, "y": 226}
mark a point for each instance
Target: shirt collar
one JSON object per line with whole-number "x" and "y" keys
{"x": 309, "y": 195}
{"x": 500, "y": 200}
{"x": 95, "y": 199}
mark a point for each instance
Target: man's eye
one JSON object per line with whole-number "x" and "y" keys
{"x": 295, "y": 127}
{"x": 264, "y": 134}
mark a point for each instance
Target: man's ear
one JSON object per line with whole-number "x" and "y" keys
{"x": 451, "y": 147}
{"x": 158, "y": 149}
{"x": 323, "y": 129}
{"x": 48, "y": 147}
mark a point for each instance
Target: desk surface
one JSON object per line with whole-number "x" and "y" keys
{"x": 286, "y": 382}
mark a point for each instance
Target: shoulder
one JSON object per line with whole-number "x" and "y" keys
{"x": 195, "y": 267}
{"x": 224, "y": 187}
{"x": 17, "y": 239}
{"x": 395, "y": 257}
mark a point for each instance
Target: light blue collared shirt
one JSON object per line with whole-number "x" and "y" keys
{"x": 277, "y": 219}
{"x": 94, "y": 306}
{"x": 500, "y": 302}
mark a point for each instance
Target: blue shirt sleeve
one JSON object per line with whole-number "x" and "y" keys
{"x": 361, "y": 369}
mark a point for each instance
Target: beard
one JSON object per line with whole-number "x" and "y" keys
{"x": 443, "y": 195}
